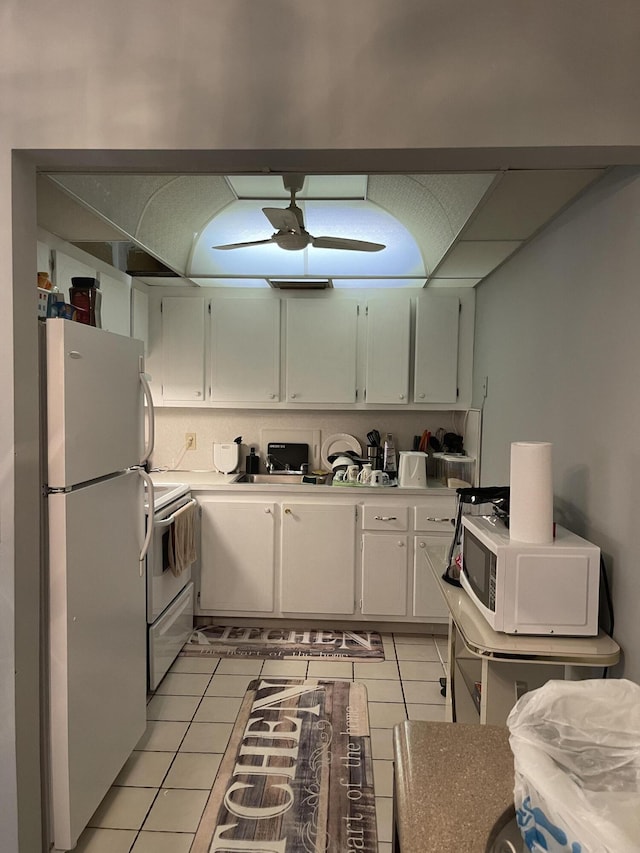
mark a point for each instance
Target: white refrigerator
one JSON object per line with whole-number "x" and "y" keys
{"x": 95, "y": 612}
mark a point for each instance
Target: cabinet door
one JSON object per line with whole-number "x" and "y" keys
{"x": 427, "y": 598}
{"x": 140, "y": 317}
{"x": 66, "y": 268}
{"x": 245, "y": 349}
{"x": 116, "y": 304}
{"x": 182, "y": 348}
{"x": 436, "y": 350}
{"x": 384, "y": 574}
{"x": 318, "y": 558}
{"x": 321, "y": 351}
{"x": 237, "y": 556}
{"x": 387, "y": 365}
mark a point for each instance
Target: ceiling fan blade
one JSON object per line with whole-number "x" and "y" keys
{"x": 242, "y": 245}
{"x": 345, "y": 243}
{"x": 282, "y": 219}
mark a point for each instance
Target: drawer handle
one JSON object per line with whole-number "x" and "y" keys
{"x": 438, "y": 520}
{"x": 385, "y": 518}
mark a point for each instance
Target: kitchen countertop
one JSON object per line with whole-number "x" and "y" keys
{"x": 453, "y": 785}
{"x": 194, "y": 478}
{"x": 213, "y": 479}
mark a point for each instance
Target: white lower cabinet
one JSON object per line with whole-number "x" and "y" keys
{"x": 384, "y": 574}
{"x": 237, "y": 555}
{"x": 321, "y": 556}
{"x": 318, "y": 558}
{"x": 428, "y": 602}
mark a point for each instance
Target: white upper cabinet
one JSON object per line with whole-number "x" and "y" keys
{"x": 183, "y": 349}
{"x": 140, "y": 317}
{"x": 116, "y": 304}
{"x": 321, "y": 346}
{"x": 66, "y": 268}
{"x": 436, "y": 348}
{"x": 387, "y": 359}
{"x": 245, "y": 349}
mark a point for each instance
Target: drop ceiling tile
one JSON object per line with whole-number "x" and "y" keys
{"x": 315, "y": 186}
{"x": 374, "y": 283}
{"x": 453, "y": 282}
{"x": 475, "y": 258}
{"x": 164, "y": 281}
{"x": 231, "y": 282}
{"x": 523, "y": 201}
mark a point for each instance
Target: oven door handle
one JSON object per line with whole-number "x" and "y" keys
{"x": 166, "y": 522}
{"x": 150, "y": 523}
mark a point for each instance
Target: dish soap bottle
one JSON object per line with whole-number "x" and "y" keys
{"x": 389, "y": 465}
{"x": 252, "y": 462}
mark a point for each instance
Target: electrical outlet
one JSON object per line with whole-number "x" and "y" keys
{"x": 190, "y": 440}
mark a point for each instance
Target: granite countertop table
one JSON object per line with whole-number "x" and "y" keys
{"x": 453, "y": 785}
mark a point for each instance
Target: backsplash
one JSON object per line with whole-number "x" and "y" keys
{"x": 223, "y": 426}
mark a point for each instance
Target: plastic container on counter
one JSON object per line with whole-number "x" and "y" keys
{"x": 454, "y": 470}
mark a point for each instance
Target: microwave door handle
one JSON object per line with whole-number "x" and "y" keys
{"x": 150, "y": 523}
{"x": 167, "y": 522}
{"x": 151, "y": 418}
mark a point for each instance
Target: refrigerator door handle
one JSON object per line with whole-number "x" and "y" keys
{"x": 147, "y": 539}
{"x": 151, "y": 420}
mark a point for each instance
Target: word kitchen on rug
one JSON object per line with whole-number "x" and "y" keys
{"x": 297, "y": 774}
{"x": 276, "y": 643}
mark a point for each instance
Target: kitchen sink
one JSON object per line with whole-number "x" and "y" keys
{"x": 275, "y": 479}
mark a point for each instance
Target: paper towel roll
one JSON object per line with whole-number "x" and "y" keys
{"x": 531, "y": 495}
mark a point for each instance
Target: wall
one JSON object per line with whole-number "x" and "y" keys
{"x": 556, "y": 333}
{"x": 223, "y": 426}
{"x": 366, "y": 85}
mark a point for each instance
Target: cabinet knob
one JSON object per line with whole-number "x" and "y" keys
{"x": 293, "y": 396}
{"x": 267, "y": 509}
{"x": 423, "y": 544}
{"x": 272, "y": 396}
{"x": 287, "y": 511}
{"x": 400, "y": 396}
{"x": 400, "y": 543}
{"x": 422, "y": 396}
{"x": 198, "y": 393}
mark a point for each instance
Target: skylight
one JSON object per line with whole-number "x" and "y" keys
{"x": 243, "y": 221}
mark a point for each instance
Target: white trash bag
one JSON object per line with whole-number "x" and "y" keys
{"x": 576, "y": 749}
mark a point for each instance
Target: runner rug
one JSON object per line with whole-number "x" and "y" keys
{"x": 297, "y": 774}
{"x": 284, "y": 643}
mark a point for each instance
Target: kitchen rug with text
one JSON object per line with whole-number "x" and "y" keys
{"x": 275, "y": 643}
{"x": 297, "y": 774}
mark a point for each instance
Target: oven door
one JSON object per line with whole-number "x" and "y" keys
{"x": 162, "y": 585}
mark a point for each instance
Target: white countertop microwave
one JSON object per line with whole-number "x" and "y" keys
{"x": 523, "y": 588}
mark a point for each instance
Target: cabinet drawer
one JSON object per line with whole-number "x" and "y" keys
{"x": 385, "y": 517}
{"x": 436, "y": 515}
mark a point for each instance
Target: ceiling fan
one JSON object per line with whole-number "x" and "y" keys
{"x": 291, "y": 233}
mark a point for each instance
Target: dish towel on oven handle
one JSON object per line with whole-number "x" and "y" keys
{"x": 182, "y": 540}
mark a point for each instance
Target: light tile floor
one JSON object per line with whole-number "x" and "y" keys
{"x": 156, "y": 802}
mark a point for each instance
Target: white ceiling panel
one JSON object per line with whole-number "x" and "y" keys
{"x": 315, "y": 186}
{"x": 469, "y": 259}
{"x": 522, "y": 202}
{"x": 453, "y": 282}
